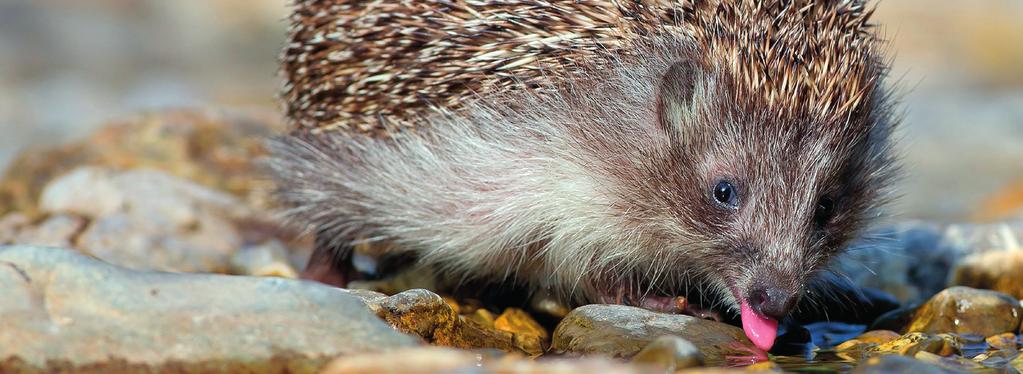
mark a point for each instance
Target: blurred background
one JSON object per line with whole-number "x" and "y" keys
{"x": 66, "y": 67}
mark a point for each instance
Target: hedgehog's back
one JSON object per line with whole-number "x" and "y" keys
{"x": 372, "y": 66}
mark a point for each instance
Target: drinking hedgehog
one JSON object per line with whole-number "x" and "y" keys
{"x": 603, "y": 151}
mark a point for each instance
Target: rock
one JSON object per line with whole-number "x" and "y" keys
{"x": 517, "y": 321}
{"x": 878, "y": 336}
{"x": 869, "y": 338}
{"x": 11, "y": 225}
{"x": 215, "y": 149}
{"x": 269, "y": 259}
{"x": 995, "y": 270}
{"x": 483, "y": 317}
{"x": 1017, "y": 363}
{"x": 913, "y": 260}
{"x": 768, "y": 366}
{"x": 426, "y": 314}
{"x": 1005, "y": 341}
{"x": 979, "y": 238}
{"x": 425, "y": 360}
{"x": 72, "y": 311}
{"x": 671, "y": 353}
{"x": 894, "y": 364}
{"x": 964, "y": 310}
{"x": 622, "y": 331}
{"x": 60, "y": 230}
{"x": 149, "y": 220}
{"x": 910, "y": 344}
{"x": 956, "y": 363}
{"x": 902, "y": 259}
{"x": 548, "y": 305}
{"x": 429, "y": 360}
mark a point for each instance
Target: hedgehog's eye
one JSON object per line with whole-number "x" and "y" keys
{"x": 825, "y": 210}
{"x": 726, "y": 194}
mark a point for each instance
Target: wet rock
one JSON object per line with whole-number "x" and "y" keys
{"x": 965, "y": 310}
{"x": 765, "y": 366}
{"x": 671, "y": 353}
{"x": 429, "y": 360}
{"x": 517, "y": 321}
{"x": 1017, "y": 363}
{"x": 878, "y": 336}
{"x": 995, "y": 270}
{"x": 216, "y": 149}
{"x": 1006, "y": 341}
{"x": 895, "y": 364}
{"x": 269, "y": 259}
{"x": 426, "y": 314}
{"x": 149, "y": 220}
{"x": 910, "y": 344}
{"x": 869, "y": 338}
{"x": 999, "y": 360}
{"x": 72, "y": 310}
{"x": 622, "y": 331}
{"x": 956, "y": 363}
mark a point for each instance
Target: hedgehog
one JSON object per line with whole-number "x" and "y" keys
{"x": 603, "y": 151}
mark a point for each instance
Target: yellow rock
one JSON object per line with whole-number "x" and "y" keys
{"x": 910, "y": 344}
{"x": 483, "y": 317}
{"x": 517, "y": 321}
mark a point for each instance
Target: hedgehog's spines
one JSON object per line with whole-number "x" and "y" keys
{"x": 356, "y": 65}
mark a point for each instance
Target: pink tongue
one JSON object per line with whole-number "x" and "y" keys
{"x": 761, "y": 330}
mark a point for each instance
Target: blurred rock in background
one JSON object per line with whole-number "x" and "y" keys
{"x": 69, "y": 66}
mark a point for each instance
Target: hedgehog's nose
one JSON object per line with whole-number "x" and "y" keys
{"x": 773, "y": 302}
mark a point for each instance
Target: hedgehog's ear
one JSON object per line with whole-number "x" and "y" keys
{"x": 679, "y": 86}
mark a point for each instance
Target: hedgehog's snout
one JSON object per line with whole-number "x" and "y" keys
{"x": 774, "y": 302}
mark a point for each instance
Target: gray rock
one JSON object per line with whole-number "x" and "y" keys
{"x": 61, "y": 308}
{"x": 149, "y": 220}
{"x": 622, "y": 331}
